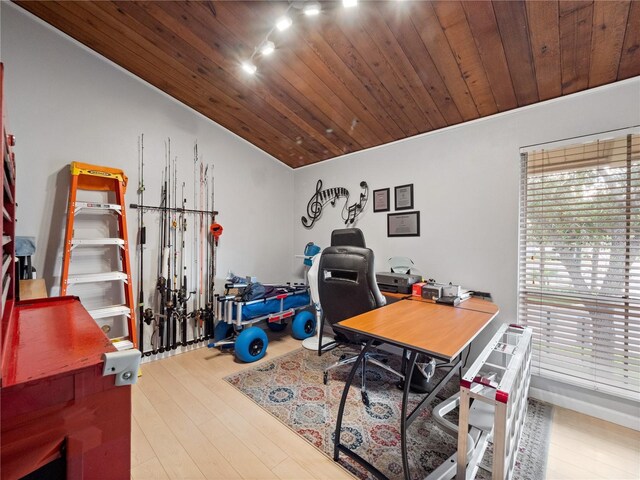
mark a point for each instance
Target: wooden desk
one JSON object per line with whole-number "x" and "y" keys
{"x": 472, "y": 303}
{"x": 438, "y": 330}
{"x": 418, "y": 327}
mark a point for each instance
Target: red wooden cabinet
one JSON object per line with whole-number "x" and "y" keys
{"x": 55, "y": 401}
{"x": 56, "y": 407}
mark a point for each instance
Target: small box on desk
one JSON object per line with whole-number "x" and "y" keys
{"x": 431, "y": 291}
{"x": 417, "y": 289}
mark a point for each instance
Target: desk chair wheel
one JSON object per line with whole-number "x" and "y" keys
{"x": 365, "y": 399}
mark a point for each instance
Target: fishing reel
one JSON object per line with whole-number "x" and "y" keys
{"x": 148, "y": 316}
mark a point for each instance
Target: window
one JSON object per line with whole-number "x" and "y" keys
{"x": 579, "y": 262}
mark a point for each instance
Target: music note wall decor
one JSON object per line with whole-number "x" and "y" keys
{"x": 331, "y": 195}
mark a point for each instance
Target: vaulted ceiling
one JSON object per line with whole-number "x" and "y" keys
{"x": 353, "y": 78}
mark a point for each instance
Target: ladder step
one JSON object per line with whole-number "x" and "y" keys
{"x": 97, "y": 241}
{"x": 111, "y": 311}
{"x": 106, "y": 207}
{"x": 96, "y": 277}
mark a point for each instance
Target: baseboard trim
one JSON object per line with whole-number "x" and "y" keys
{"x": 598, "y": 411}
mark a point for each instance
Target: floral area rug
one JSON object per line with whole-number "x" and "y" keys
{"x": 291, "y": 388}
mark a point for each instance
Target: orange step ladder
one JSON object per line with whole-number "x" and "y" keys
{"x": 106, "y": 179}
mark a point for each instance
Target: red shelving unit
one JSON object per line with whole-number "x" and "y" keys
{"x": 8, "y": 177}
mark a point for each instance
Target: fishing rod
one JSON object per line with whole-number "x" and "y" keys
{"x": 141, "y": 241}
{"x": 182, "y": 293}
{"x": 207, "y": 303}
{"x": 174, "y": 244}
{"x": 200, "y": 256}
{"x": 209, "y": 309}
{"x": 196, "y": 306}
{"x": 161, "y": 284}
{"x": 169, "y": 305}
{"x": 215, "y": 231}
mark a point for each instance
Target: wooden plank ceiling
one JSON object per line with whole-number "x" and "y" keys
{"x": 350, "y": 79}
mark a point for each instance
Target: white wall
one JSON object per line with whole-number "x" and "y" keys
{"x": 66, "y": 103}
{"x": 466, "y": 187}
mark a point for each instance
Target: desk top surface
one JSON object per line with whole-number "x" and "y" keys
{"x": 439, "y": 330}
{"x": 51, "y": 337}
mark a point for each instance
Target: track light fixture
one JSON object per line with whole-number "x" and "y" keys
{"x": 313, "y": 8}
{"x": 249, "y": 67}
{"x": 283, "y": 23}
{"x": 298, "y": 7}
{"x": 267, "y": 48}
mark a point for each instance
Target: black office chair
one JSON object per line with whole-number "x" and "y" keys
{"x": 347, "y": 287}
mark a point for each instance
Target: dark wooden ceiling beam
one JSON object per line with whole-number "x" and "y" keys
{"x": 395, "y": 57}
{"x": 542, "y": 18}
{"x": 609, "y": 26}
{"x": 421, "y": 62}
{"x": 395, "y": 89}
{"x": 454, "y": 23}
{"x": 576, "y": 26}
{"x": 514, "y": 31}
{"x": 435, "y": 41}
{"x": 354, "y": 62}
{"x": 343, "y": 74}
{"x": 630, "y": 56}
{"x": 484, "y": 30}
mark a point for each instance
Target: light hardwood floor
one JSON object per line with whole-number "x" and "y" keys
{"x": 188, "y": 423}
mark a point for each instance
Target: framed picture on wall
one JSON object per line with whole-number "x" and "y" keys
{"x": 404, "y": 197}
{"x": 381, "y": 200}
{"x": 403, "y": 224}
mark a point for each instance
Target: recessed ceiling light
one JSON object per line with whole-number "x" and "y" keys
{"x": 283, "y": 23}
{"x": 249, "y": 67}
{"x": 349, "y": 3}
{"x": 312, "y": 9}
{"x": 267, "y": 48}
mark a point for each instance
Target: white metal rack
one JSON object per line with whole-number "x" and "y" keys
{"x": 498, "y": 382}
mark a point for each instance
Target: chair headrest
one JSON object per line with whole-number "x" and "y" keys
{"x": 348, "y": 237}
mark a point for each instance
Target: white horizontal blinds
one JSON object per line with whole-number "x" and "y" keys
{"x": 579, "y": 280}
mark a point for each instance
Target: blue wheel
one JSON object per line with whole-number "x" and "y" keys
{"x": 304, "y": 325}
{"x": 251, "y": 344}
{"x": 276, "y": 327}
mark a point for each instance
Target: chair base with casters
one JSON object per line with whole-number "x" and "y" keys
{"x": 369, "y": 358}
